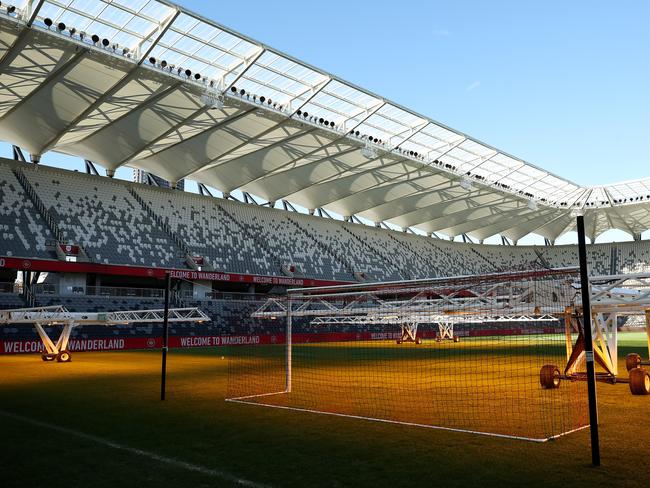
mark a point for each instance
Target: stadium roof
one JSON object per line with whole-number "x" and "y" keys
{"x": 151, "y": 85}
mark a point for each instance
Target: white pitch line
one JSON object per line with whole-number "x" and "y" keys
{"x": 150, "y": 455}
{"x": 399, "y": 422}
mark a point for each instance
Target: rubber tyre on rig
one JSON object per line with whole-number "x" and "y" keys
{"x": 549, "y": 377}
{"x": 418, "y": 340}
{"x": 48, "y": 357}
{"x": 456, "y": 339}
{"x": 632, "y": 361}
{"x": 640, "y": 381}
{"x": 64, "y": 357}
{"x": 399, "y": 341}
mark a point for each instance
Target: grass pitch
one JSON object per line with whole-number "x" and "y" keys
{"x": 98, "y": 422}
{"x": 486, "y": 385}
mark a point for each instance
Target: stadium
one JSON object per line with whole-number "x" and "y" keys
{"x": 347, "y": 299}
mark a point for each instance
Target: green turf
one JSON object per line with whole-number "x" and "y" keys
{"x": 484, "y": 384}
{"x": 115, "y": 396}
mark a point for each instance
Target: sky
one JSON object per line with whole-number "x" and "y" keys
{"x": 562, "y": 85}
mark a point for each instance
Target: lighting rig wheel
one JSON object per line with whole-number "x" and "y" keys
{"x": 640, "y": 381}
{"x": 64, "y": 357}
{"x": 549, "y": 377}
{"x": 418, "y": 340}
{"x": 456, "y": 339}
{"x": 632, "y": 361}
{"x": 399, "y": 341}
{"x": 48, "y": 357}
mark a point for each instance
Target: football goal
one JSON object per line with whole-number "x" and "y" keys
{"x": 482, "y": 354}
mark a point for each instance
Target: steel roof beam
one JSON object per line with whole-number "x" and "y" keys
{"x": 440, "y": 220}
{"x": 369, "y": 196}
{"x": 215, "y": 162}
{"x": 147, "y": 103}
{"x": 156, "y": 140}
{"x": 310, "y": 153}
{"x": 52, "y": 77}
{"x": 128, "y": 77}
{"x": 489, "y": 225}
{"x": 218, "y": 126}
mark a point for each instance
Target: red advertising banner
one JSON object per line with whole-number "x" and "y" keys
{"x": 52, "y": 265}
{"x": 130, "y": 343}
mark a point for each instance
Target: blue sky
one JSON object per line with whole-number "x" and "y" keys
{"x": 563, "y": 85}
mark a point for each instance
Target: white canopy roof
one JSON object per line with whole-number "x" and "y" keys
{"x": 166, "y": 90}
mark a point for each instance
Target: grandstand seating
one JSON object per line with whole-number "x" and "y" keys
{"x": 117, "y": 222}
{"x": 207, "y": 231}
{"x": 23, "y": 231}
{"x": 114, "y": 227}
{"x": 102, "y": 216}
{"x": 634, "y": 257}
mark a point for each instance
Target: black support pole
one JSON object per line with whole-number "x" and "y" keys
{"x": 589, "y": 347}
{"x": 163, "y": 375}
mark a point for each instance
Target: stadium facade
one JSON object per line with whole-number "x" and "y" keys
{"x": 172, "y": 94}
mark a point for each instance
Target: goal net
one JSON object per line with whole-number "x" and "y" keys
{"x": 483, "y": 354}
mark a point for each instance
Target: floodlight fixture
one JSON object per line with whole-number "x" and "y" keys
{"x": 60, "y": 26}
{"x": 95, "y": 38}
{"x": 105, "y": 42}
{"x": 48, "y": 22}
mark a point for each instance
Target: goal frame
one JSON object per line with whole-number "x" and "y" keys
{"x": 316, "y": 303}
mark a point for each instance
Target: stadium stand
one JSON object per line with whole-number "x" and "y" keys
{"x": 23, "y": 231}
{"x": 207, "y": 231}
{"x": 101, "y": 215}
{"x": 124, "y": 223}
{"x": 118, "y": 222}
{"x": 634, "y": 257}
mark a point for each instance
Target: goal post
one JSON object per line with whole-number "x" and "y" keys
{"x": 483, "y": 354}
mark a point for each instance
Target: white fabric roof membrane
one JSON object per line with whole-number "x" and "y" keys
{"x": 163, "y": 89}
